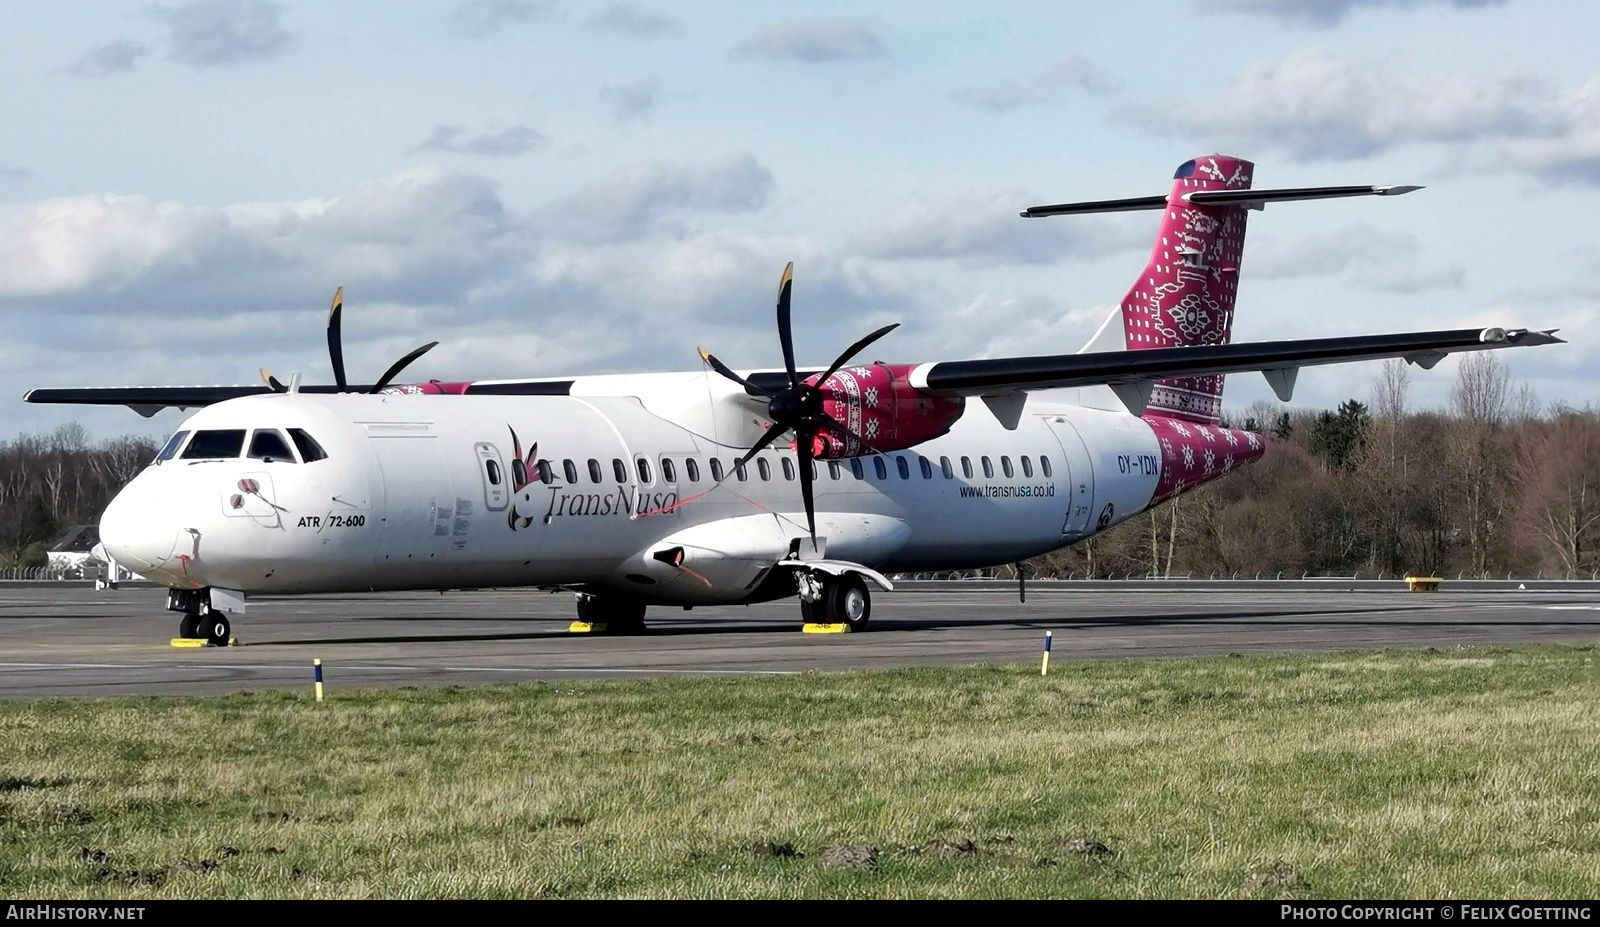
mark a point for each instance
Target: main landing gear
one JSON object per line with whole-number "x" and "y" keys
{"x": 608, "y": 614}
{"x": 841, "y": 602}
{"x": 201, "y": 622}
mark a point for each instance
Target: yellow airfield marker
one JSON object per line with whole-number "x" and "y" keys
{"x": 1044, "y": 667}
{"x": 199, "y": 642}
{"x": 839, "y": 628}
{"x": 316, "y": 669}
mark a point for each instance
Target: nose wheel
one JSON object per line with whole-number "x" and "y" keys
{"x": 200, "y": 621}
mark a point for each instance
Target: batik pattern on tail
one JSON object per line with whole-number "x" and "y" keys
{"x": 1185, "y": 295}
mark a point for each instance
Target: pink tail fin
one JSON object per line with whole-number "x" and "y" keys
{"x": 1185, "y": 295}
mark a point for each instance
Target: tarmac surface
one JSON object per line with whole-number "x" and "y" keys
{"x": 61, "y": 639}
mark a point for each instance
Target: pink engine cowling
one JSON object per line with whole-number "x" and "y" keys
{"x": 878, "y": 403}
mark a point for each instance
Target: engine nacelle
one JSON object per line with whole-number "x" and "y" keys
{"x": 877, "y": 402}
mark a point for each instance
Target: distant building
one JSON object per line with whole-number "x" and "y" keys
{"x": 71, "y": 550}
{"x": 76, "y": 554}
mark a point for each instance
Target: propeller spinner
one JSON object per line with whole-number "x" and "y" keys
{"x": 797, "y": 407}
{"x": 336, "y": 354}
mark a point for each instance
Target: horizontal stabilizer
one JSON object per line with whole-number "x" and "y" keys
{"x": 1244, "y": 197}
{"x": 987, "y": 377}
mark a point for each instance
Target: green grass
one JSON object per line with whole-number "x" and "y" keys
{"x": 1472, "y": 772}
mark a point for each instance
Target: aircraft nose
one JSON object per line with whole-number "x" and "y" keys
{"x": 135, "y": 530}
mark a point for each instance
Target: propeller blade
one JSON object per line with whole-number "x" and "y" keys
{"x": 272, "y": 381}
{"x": 855, "y": 349}
{"x": 785, "y": 335}
{"x": 723, "y": 369}
{"x": 400, "y": 365}
{"x": 335, "y": 340}
{"x": 802, "y": 446}
{"x": 772, "y": 435}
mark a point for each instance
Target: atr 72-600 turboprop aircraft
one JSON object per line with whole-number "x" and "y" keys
{"x": 674, "y": 488}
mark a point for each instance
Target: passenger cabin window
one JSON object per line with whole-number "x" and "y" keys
{"x": 903, "y": 466}
{"x": 833, "y": 469}
{"x": 267, "y": 445}
{"x": 571, "y": 470}
{"x": 988, "y": 467}
{"x": 740, "y": 471}
{"x": 309, "y": 449}
{"x": 594, "y": 470}
{"x": 1044, "y": 465}
{"x": 764, "y": 468}
{"x": 949, "y": 471}
{"x": 692, "y": 468}
{"x": 1005, "y": 465}
{"x": 927, "y": 468}
{"x": 669, "y": 473}
{"x": 545, "y": 472}
{"x": 1027, "y": 466}
{"x": 172, "y": 445}
{"x": 788, "y": 469}
{"x": 966, "y": 467}
{"x": 716, "y": 469}
{"x": 856, "y": 470}
{"x": 493, "y": 469}
{"x": 619, "y": 469}
{"x": 880, "y": 467}
{"x": 211, "y": 445}
{"x": 644, "y": 469}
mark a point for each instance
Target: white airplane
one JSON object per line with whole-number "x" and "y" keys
{"x": 633, "y": 490}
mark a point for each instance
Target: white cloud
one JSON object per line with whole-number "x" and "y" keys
{"x": 424, "y": 231}
{"x": 983, "y": 228}
{"x": 1369, "y": 257}
{"x": 627, "y": 204}
{"x": 1318, "y": 105}
{"x": 116, "y": 57}
{"x": 211, "y": 33}
{"x": 1049, "y": 85}
{"x": 814, "y": 41}
{"x": 478, "y": 18}
{"x": 632, "y": 100}
{"x": 1326, "y": 13}
{"x": 628, "y": 19}
{"x": 507, "y": 142}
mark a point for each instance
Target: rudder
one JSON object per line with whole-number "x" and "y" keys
{"x": 1186, "y": 293}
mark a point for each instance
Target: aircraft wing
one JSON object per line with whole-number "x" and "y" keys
{"x": 148, "y": 400}
{"x": 1132, "y": 373}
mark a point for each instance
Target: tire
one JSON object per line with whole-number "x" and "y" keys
{"x": 849, "y": 602}
{"x": 619, "y": 615}
{"x": 216, "y": 630}
{"x": 189, "y": 627}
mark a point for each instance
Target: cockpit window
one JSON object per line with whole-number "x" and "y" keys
{"x": 267, "y": 444}
{"x": 173, "y": 443}
{"x": 210, "y": 445}
{"x": 309, "y": 448}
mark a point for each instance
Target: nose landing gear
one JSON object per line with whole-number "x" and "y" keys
{"x": 202, "y": 622}
{"x": 608, "y": 614}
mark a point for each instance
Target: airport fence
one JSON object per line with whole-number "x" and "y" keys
{"x": 1009, "y": 574}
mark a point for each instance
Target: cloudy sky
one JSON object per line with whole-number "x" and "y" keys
{"x": 553, "y": 187}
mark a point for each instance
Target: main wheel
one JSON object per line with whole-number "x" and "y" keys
{"x": 848, "y": 601}
{"x": 215, "y": 629}
{"x": 189, "y": 627}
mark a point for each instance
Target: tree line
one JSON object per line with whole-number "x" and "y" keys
{"x": 1491, "y": 485}
{"x": 50, "y": 482}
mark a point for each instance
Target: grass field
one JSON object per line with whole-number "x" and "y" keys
{"x": 1471, "y": 772}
